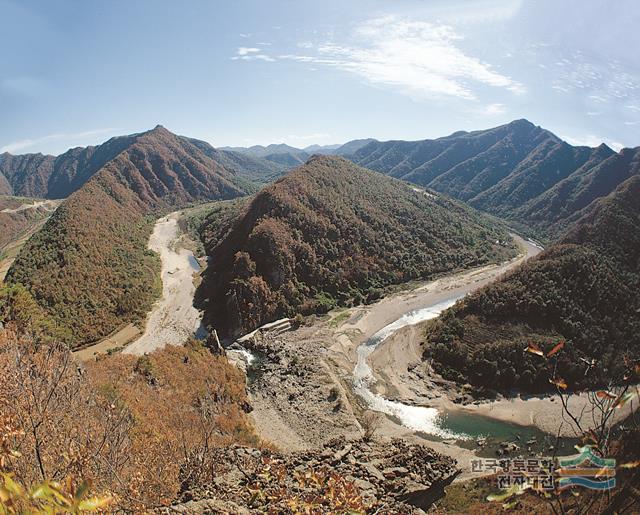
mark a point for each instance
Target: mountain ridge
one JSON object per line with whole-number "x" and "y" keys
{"x": 582, "y": 290}
{"x": 516, "y": 171}
{"x": 56, "y": 177}
{"x": 89, "y": 267}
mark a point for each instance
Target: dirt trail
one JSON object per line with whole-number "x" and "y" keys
{"x": 173, "y": 318}
{"x": 47, "y": 205}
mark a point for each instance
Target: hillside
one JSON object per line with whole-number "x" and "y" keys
{"x": 5, "y": 187}
{"x": 19, "y": 218}
{"x": 333, "y": 233}
{"x": 517, "y": 171}
{"x": 89, "y": 266}
{"x": 44, "y": 176}
{"x": 18, "y": 215}
{"x": 583, "y": 290}
{"x": 248, "y": 168}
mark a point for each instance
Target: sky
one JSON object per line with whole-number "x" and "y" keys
{"x": 246, "y": 72}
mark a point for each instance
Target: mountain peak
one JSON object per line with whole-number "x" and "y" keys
{"x": 522, "y": 122}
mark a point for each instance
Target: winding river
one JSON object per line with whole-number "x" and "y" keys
{"x": 435, "y": 423}
{"x": 417, "y": 418}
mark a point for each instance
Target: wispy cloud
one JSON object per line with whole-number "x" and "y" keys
{"x": 251, "y": 54}
{"x": 418, "y": 58}
{"x": 20, "y": 145}
{"x": 601, "y": 81}
{"x": 495, "y": 109}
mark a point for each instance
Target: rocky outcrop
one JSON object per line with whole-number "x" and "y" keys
{"x": 391, "y": 475}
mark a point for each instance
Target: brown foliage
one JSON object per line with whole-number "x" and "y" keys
{"x": 331, "y": 233}
{"x": 89, "y": 267}
{"x": 135, "y": 427}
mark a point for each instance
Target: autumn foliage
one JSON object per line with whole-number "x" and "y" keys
{"x": 134, "y": 427}
{"x": 331, "y": 233}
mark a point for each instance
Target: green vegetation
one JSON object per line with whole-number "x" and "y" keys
{"x": 89, "y": 268}
{"x": 209, "y": 223}
{"x": 333, "y": 234}
{"x": 584, "y": 291}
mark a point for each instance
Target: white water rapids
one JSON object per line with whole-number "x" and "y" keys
{"x": 417, "y": 418}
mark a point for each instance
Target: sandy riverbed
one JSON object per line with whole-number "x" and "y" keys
{"x": 173, "y": 318}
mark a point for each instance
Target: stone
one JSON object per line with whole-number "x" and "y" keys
{"x": 392, "y": 472}
{"x": 341, "y": 454}
{"x": 363, "y": 484}
{"x": 373, "y": 471}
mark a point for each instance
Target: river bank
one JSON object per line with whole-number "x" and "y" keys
{"x": 309, "y": 389}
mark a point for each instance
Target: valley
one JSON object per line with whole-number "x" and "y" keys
{"x": 320, "y": 258}
{"x": 359, "y": 312}
{"x": 304, "y": 401}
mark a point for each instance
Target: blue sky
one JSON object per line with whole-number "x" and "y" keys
{"x": 255, "y": 72}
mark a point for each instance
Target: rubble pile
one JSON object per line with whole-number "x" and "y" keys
{"x": 361, "y": 476}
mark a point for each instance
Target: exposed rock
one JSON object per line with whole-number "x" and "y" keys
{"x": 207, "y": 506}
{"x": 393, "y": 475}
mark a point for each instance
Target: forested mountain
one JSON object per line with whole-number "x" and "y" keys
{"x": 89, "y": 267}
{"x": 321, "y": 149}
{"x": 45, "y": 176}
{"x": 264, "y": 151}
{"x": 250, "y": 168}
{"x": 517, "y": 171}
{"x": 333, "y": 233}
{"x": 352, "y": 146}
{"x": 585, "y": 290}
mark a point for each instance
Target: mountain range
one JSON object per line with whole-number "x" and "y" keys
{"x": 286, "y": 156}
{"x": 519, "y": 172}
{"x": 89, "y": 266}
{"x": 57, "y": 177}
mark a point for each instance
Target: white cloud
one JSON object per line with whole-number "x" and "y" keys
{"x": 251, "y": 54}
{"x": 591, "y": 140}
{"x": 418, "y": 58}
{"x": 602, "y": 82}
{"x": 495, "y": 109}
{"x": 243, "y": 50}
{"x": 20, "y": 145}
